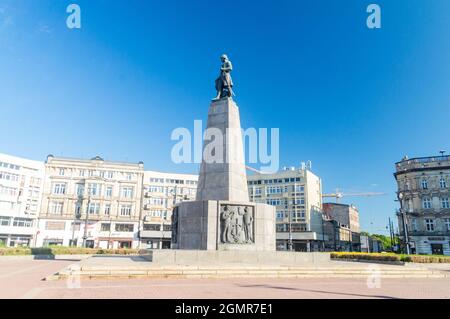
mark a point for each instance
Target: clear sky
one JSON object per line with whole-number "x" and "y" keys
{"x": 350, "y": 99}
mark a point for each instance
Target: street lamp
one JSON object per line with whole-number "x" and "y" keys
{"x": 405, "y": 228}
{"x": 86, "y": 221}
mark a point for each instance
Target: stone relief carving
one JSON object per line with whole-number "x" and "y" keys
{"x": 175, "y": 225}
{"x": 236, "y": 224}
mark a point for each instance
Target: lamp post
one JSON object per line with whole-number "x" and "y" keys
{"x": 86, "y": 220}
{"x": 405, "y": 228}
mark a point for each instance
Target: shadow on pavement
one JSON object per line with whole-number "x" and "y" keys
{"x": 317, "y": 291}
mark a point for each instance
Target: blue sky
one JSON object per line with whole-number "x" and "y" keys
{"x": 350, "y": 99}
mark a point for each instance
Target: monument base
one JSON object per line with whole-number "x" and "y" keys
{"x": 224, "y": 225}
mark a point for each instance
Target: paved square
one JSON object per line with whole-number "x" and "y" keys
{"x": 23, "y": 279}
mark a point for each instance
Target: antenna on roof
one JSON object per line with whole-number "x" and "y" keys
{"x": 442, "y": 152}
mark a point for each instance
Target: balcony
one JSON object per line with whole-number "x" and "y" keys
{"x": 423, "y": 162}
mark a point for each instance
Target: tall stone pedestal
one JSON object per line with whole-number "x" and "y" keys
{"x": 224, "y": 225}
{"x": 222, "y": 217}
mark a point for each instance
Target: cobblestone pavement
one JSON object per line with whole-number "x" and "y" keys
{"x": 23, "y": 279}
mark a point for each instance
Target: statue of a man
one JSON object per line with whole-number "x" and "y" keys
{"x": 224, "y": 83}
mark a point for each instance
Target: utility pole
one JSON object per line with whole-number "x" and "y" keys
{"x": 405, "y": 228}
{"x": 290, "y": 217}
{"x": 390, "y": 234}
{"x": 86, "y": 220}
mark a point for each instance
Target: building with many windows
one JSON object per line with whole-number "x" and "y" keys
{"x": 297, "y": 195}
{"x": 341, "y": 227}
{"x": 93, "y": 202}
{"x": 161, "y": 191}
{"x": 21, "y": 183}
{"x": 424, "y": 193}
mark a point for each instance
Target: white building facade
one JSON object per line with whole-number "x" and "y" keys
{"x": 424, "y": 191}
{"x": 161, "y": 191}
{"x": 21, "y": 182}
{"x": 297, "y": 195}
{"x": 94, "y": 202}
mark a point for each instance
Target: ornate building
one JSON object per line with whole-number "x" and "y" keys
{"x": 424, "y": 194}
{"x": 92, "y": 202}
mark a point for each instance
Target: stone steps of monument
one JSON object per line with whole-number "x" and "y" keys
{"x": 236, "y": 272}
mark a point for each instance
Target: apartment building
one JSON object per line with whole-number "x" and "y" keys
{"x": 21, "y": 182}
{"x": 297, "y": 195}
{"x": 342, "y": 230}
{"x": 92, "y": 202}
{"x": 161, "y": 192}
{"x": 424, "y": 195}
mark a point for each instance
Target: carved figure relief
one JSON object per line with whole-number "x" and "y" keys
{"x": 236, "y": 224}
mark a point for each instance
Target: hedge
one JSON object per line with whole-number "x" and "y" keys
{"x": 390, "y": 257}
{"x": 58, "y": 250}
{"x": 365, "y": 256}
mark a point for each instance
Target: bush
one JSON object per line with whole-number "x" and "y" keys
{"x": 425, "y": 259}
{"x": 365, "y": 256}
{"x": 390, "y": 257}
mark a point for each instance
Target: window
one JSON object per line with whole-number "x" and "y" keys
{"x": 298, "y": 201}
{"x": 94, "y": 208}
{"x": 444, "y": 202}
{"x": 426, "y": 202}
{"x": 167, "y": 227}
{"x": 156, "y": 213}
{"x": 59, "y": 188}
{"x": 61, "y": 172}
{"x": 299, "y": 188}
{"x": 80, "y": 189}
{"x": 109, "y": 191}
{"x": 109, "y": 174}
{"x": 273, "y": 190}
{"x": 95, "y": 189}
{"x": 128, "y": 176}
{"x": 126, "y": 192}
{"x": 9, "y": 191}
{"x": 125, "y": 227}
{"x": 414, "y": 224}
{"x": 82, "y": 172}
{"x": 157, "y": 201}
{"x": 105, "y": 227}
{"x": 9, "y": 177}
{"x": 107, "y": 209}
{"x": 56, "y": 208}
{"x": 447, "y": 223}
{"x": 298, "y": 227}
{"x": 154, "y": 227}
{"x": 4, "y": 221}
{"x": 11, "y": 166}
{"x": 274, "y": 201}
{"x": 125, "y": 210}
{"x": 443, "y": 183}
{"x": 256, "y": 191}
{"x": 430, "y": 224}
{"x": 280, "y": 215}
{"x": 424, "y": 184}
{"x": 22, "y": 222}
{"x": 155, "y": 189}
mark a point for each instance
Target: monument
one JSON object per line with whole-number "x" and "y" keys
{"x": 222, "y": 217}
